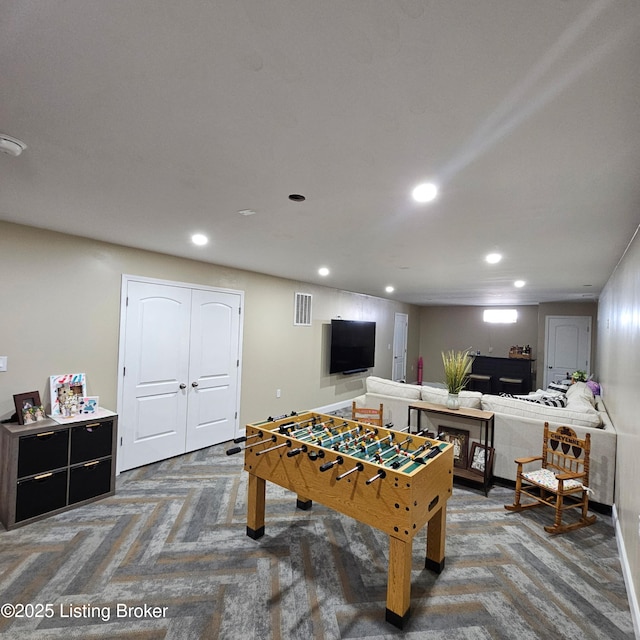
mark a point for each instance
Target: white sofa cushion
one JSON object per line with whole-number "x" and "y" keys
{"x": 579, "y": 412}
{"x": 581, "y": 393}
{"x": 390, "y": 388}
{"x": 469, "y": 399}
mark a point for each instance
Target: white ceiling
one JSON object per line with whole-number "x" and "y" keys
{"x": 148, "y": 120}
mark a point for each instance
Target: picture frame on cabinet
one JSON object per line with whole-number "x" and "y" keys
{"x": 66, "y": 392}
{"x": 89, "y": 404}
{"x": 29, "y": 409}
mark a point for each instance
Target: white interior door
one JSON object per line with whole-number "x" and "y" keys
{"x": 156, "y": 365}
{"x": 213, "y": 371}
{"x": 568, "y": 346}
{"x": 400, "y": 329}
{"x": 180, "y": 356}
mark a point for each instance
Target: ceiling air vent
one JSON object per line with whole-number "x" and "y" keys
{"x": 302, "y": 310}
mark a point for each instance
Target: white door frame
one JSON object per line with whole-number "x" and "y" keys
{"x": 400, "y": 316}
{"x": 126, "y": 278}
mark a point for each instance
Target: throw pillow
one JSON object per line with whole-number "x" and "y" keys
{"x": 557, "y": 386}
{"x": 549, "y": 401}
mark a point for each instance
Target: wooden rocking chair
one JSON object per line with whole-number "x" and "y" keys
{"x": 369, "y": 416}
{"x": 563, "y": 480}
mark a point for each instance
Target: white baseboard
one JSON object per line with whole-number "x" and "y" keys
{"x": 626, "y": 572}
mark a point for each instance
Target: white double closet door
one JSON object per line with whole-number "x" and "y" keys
{"x": 179, "y": 369}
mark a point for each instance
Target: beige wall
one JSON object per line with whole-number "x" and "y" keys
{"x": 460, "y": 327}
{"x": 61, "y": 310}
{"x": 619, "y": 374}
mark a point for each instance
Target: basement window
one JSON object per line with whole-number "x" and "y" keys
{"x": 500, "y": 316}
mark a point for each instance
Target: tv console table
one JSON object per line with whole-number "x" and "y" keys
{"x": 484, "y": 420}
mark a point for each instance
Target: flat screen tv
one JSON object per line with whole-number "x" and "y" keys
{"x": 353, "y": 345}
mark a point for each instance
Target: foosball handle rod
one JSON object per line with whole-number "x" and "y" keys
{"x": 245, "y": 438}
{"x": 295, "y": 452}
{"x": 382, "y": 474}
{"x": 329, "y": 465}
{"x": 235, "y": 450}
{"x": 284, "y": 415}
{"x": 294, "y": 426}
{"x": 358, "y": 467}
{"x": 286, "y": 443}
{"x": 432, "y": 453}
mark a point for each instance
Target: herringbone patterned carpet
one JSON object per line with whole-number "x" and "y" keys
{"x": 174, "y": 538}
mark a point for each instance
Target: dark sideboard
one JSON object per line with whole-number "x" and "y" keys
{"x": 505, "y": 368}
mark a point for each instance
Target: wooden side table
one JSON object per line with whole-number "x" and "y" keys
{"x": 485, "y": 421}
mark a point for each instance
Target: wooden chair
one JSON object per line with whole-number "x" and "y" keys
{"x": 369, "y": 416}
{"x": 562, "y": 481}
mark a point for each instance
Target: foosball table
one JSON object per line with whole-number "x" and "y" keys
{"x": 394, "y": 481}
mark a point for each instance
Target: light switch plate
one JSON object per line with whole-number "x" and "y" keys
{"x": 3, "y": 363}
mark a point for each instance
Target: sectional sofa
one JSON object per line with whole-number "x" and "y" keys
{"x": 519, "y": 424}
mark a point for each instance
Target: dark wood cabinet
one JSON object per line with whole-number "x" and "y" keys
{"x": 48, "y": 467}
{"x": 505, "y": 368}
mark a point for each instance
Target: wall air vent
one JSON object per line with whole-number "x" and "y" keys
{"x": 302, "y": 310}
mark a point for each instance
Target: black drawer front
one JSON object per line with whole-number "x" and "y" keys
{"x": 41, "y": 494}
{"x": 43, "y": 452}
{"x": 91, "y": 441}
{"x": 89, "y": 480}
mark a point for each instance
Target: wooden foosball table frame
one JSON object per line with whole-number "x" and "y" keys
{"x": 395, "y": 501}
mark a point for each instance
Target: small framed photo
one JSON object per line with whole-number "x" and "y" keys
{"x": 28, "y": 407}
{"x": 459, "y": 438}
{"x": 481, "y": 458}
{"x": 89, "y": 404}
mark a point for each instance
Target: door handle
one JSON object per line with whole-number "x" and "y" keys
{"x": 194, "y": 384}
{"x": 183, "y": 385}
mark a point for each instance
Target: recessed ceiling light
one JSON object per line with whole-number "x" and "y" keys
{"x": 519, "y": 283}
{"x": 200, "y": 239}
{"x": 323, "y": 271}
{"x": 425, "y": 192}
{"x": 247, "y": 212}
{"x": 493, "y": 258}
{"x": 389, "y": 289}
{"x": 11, "y": 146}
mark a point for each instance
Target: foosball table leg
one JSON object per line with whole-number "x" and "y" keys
{"x": 255, "y": 507}
{"x": 436, "y": 533}
{"x": 399, "y": 582}
{"x": 303, "y": 503}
